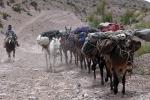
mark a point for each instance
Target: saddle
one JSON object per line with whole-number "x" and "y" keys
{"x": 10, "y": 39}
{"x": 88, "y": 47}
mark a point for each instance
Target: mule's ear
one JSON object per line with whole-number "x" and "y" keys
{"x": 65, "y": 27}
{"x": 70, "y": 28}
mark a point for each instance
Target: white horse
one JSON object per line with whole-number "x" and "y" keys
{"x": 44, "y": 42}
{"x": 55, "y": 51}
{"x": 51, "y": 50}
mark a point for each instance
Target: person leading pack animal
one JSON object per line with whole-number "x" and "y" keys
{"x": 9, "y": 33}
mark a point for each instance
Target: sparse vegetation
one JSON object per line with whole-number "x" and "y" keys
{"x": 141, "y": 71}
{"x": 100, "y": 9}
{"x": 145, "y": 48}
{"x": 142, "y": 25}
{"x": 131, "y": 17}
{"x": 17, "y": 8}
{"x": 127, "y": 18}
{"x": 93, "y": 20}
{"x": 5, "y": 15}
{"x": 108, "y": 17}
{"x": 100, "y": 15}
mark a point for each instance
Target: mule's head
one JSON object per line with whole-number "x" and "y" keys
{"x": 10, "y": 39}
{"x": 68, "y": 30}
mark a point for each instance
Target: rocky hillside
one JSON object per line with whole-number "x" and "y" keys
{"x": 19, "y": 10}
{"x": 80, "y": 7}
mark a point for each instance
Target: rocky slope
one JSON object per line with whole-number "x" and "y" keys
{"x": 81, "y": 7}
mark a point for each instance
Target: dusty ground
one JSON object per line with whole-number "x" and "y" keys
{"x": 25, "y": 78}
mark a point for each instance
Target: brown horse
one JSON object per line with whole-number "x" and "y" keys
{"x": 79, "y": 55}
{"x": 10, "y": 45}
{"x": 92, "y": 55}
{"x": 117, "y": 53}
{"x": 67, "y": 44}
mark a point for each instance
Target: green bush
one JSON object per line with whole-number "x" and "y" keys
{"x": 131, "y": 17}
{"x": 100, "y": 15}
{"x": 93, "y": 21}
{"x": 145, "y": 48}
{"x": 100, "y": 8}
{"x": 108, "y": 17}
{"x": 127, "y": 17}
{"x": 17, "y": 8}
{"x": 5, "y": 15}
{"x": 142, "y": 25}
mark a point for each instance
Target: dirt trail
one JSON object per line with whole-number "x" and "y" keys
{"x": 30, "y": 22}
{"x": 25, "y": 78}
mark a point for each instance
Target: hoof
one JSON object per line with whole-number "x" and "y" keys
{"x": 93, "y": 68}
{"x": 70, "y": 62}
{"x": 102, "y": 83}
{"x": 106, "y": 79}
{"x": 123, "y": 93}
{"x": 115, "y": 92}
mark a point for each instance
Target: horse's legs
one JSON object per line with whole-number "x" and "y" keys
{"x": 107, "y": 74}
{"x": 81, "y": 60}
{"x": 53, "y": 66}
{"x": 123, "y": 83}
{"x": 49, "y": 59}
{"x": 101, "y": 66}
{"x": 46, "y": 62}
{"x": 77, "y": 54}
{"x": 116, "y": 82}
{"x": 111, "y": 83}
{"x": 47, "y": 56}
{"x": 84, "y": 62}
{"x": 70, "y": 57}
{"x": 8, "y": 53}
{"x": 89, "y": 65}
{"x": 94, "y": 68}
{"x": 66, "y": 57}
{"x": 60, "y": 54}
{"x": 14, "y": 53}
{"x": 9, "y": 56}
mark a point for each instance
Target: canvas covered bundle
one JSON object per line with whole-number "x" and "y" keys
{"x": 104, "y": 40}
{"x": 88, "y": 47}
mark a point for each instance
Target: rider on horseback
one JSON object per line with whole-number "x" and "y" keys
{"x": 9, "y": 33}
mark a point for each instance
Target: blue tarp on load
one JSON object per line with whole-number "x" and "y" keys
{"x": 82, "y": 37}
{"x": 85, "y": 29}
{"x": 82, "y": 29}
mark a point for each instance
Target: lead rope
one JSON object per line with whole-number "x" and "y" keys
{"x": 100, "y": 47}
{"x": 92, "y": 45}
{"x": 128, "y": 53}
